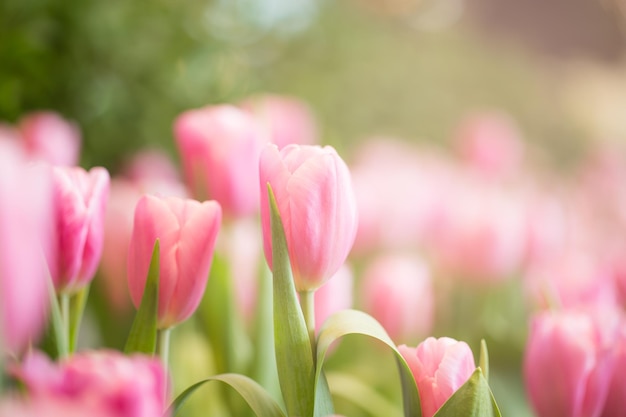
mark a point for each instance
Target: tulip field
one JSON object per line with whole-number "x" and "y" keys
{"x": 251, "y": 225}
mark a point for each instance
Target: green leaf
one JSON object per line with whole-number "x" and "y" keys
{"x": 143, "y": 333}
{"x": 294, "y": 355}
{"x": 483, "y": 361}
{"x": 257, "y": 398}
{"x": 356, "y": 322}
{"x": 473, "y": 399}
{"x": 77, "y": 307}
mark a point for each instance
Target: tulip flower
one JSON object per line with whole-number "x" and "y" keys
{"x": 47, "y": 136}
{"x": 284, "y": 120}
{"x": 397, "y": 291}
{"x": 440, "y": 367}
{"x": 80, "y": 199}
{"x": 220, "y": 147}
{"x": 105, "y": 382}
{"x": 616, "y": 399}
{"x": 25, "y": 222}
{"x": 567, "y": 364}
{"x": 187, "y": 230}
{"x": 316, "y": 202}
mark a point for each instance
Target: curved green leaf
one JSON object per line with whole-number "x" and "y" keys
{"x": 56, "y": 322}
{"x": 473, "y": 399}
{"x": 357, "y": 322}
{"x": 143, "y": 333}
{"x": 257, "y": 398}
{"x": 294, "y": 354}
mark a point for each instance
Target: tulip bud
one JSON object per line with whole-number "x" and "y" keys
{"x": 283, "y": 120}
{"x": 80, "y": 199}
{"x": 317, "y": 206}
{"x": 187, "y": 230}
{"x": 25, "y": 222}
{"x": 220, "y": 147}
{"x": 440, "y": 367}
{"x": 49, "y": 137}
{"x": 105, "y": 382}
{"x": 567, "y": 364}
{"x": 397, "y": 291}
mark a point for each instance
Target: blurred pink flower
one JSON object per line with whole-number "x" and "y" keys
{"x": 316, "y": 202}
{"x": 573, "y": 279}
{"x": 283, "y": 120}
{"x": 440, "y": 367}
{"x": 397, "y": 291}
{"x": 482, "y": 233}
{"x": 26, "y": 223}
{"x": 491, "y": 144}
{"x": 49, "y": 137}
{"x": 105, "y": 382}
{"x": 148, "y": 172}
{"x": 616, "y": 399}
{"x": 50, "y": 407}
{"x": 389, "y": 215}
{"x": 334, "y": 296}
{"x": 568, "y": 363}
{"x": 187, "y": 230}
{"x": 80, "y": 199}
{"x": 220, "y": 148}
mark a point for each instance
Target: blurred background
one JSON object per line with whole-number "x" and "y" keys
{"x": 413, "y": 69}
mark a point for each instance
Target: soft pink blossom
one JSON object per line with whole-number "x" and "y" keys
{"x": 80, "y": 199}
{"x": 27, "y": 235}
{"x": 187, "y": 231}
{"x": 283, "y": 120}
{"x": 317, "y": 206}
{"x": 220, "y": 147}
{"x": 440, "y": 367}
{"x": 568, "y": 364}
{"x": 334, "y": 296}
{"x": 616, "y": 399}
{"x": 490, "y": 143}
{"x": 105, "y": 382}
{"x": 397, "y": 291}
{"x": 49, "y": 137}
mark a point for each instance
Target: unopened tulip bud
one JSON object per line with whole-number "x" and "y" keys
{"x": 187, "y": 230}
{"x": 49, "y": 137}
{"x": 80, "y": 199}
{"x": 440, "y": 367}
{"x": 568, "y": 364}
{"x": 317, "y": 206}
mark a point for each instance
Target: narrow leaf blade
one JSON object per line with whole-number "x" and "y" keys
{"x": 294, "y": 355}
{"x": 483, "y": 361}
{"x": 77, "y": 308}
{"x": 143, "y": 333}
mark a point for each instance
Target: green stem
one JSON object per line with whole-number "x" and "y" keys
{"x": 164, "y": 346}
{"x": 307, "y": 304}
{"x": 65, "y": 316}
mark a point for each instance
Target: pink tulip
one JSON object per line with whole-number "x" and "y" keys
{"x": 334, "y": 296}
{"x": 49, "y": 137}
{"x": 25, "y": 222}
{"x": 567, "y": 364}
{"x": 397, "y": 291}
{"x": 80, "y": 204}
{"x": 490, "y": 143}
{"x": 284, "y": 120}
{"x": 148, "y": 172}
{"x": 440, "y": 367}
{"x": 101, "y": 381}
{"x": 616, "y": 398}
{"x": 317, "y": 206}
{"x": 220, "y": 147}
{"x": 187, "y": 230}
{"x": 50, "y": 407}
